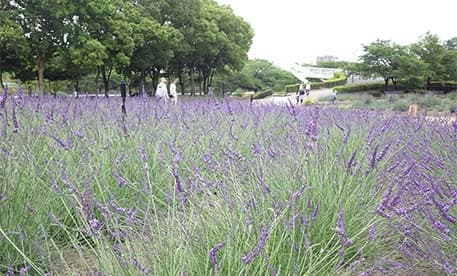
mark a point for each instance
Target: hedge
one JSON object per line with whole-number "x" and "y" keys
{"x": 318, "y": 85}
{"x": 360, "y": 87}
{"x": 292, "y": 88}
{"x": 259, "y": 95}
{"x": 335, "y": 82}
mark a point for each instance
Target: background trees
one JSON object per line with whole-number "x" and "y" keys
{"x": 416, "y": 65}
{"x": 140, "y": 40}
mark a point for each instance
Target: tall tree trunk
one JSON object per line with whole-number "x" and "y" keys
{"x": 155, "y": 78}
{"x": 211, "y": 75}
{"x": 192, "y": 87}
{"x": 1, "y": 71}
{"x": 77, "y": 89}
{"x": 200, "y": 81}
{"x": 97, "y": 77}
{"x": 105, "y": 80}
{"x": 40, "y": 64}
{"x": 386, "y": 83}
{"x": 181, "y": 81}
{"x": 205, "y": 89}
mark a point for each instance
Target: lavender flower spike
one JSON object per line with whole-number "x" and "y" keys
{"x": 213, "y": 256}
{"x": 341, "y": 229}
{"x": 260, "y": 245}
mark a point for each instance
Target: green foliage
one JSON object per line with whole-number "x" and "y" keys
{"x": 256, "y": 74}
{"x": 428, "y": 101}
{"x": 401, "y": 106}
{"x": 292, "y": 88}
{"x": 263, "y": 94}
{"x": 138, "y": 39}
{"x": 359, "y": 87}
{"x": 416, "y": 65}
{"x": 308, "y": 101}
{"x": 339, "y": 79}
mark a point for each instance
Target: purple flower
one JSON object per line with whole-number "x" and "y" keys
{"x": 144, "y": 157}
{"x": 351, "y": 162}
{"x": 56, "y": 188}
{"x": 315, "y": 212}
{"x": 372, "y": 232}
{"x": 120, "y": 180}
{"x": 297, "y": 195}
{"x": 260, "y": 245}
{"x": 373, "y": 157}
{"x": 213, "y": 255}
{"x": 341, "y": 229}
{"x": 139, "y": 267}
{"x": 256, "y": 149}
{"x": 95, "y": 224}
{"x": 3, "y": 196}
{"x": 178, "y": 181}
{"x": 24, "y": 270}
{"x": 131, "y": 215}
{"x": 15, "y": 122}
{"x": 346, "y": 136}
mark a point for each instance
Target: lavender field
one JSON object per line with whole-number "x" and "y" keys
{"x": 223, "y": 187}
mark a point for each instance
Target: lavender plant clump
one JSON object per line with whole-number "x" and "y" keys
{"x": 338, "y": 190}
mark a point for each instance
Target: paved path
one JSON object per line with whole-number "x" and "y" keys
{"x": 314, "y": 94}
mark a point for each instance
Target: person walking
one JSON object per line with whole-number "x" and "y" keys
{"x": 301, "y": 93}
{"x": 173, "y": 93}
{"x": 308, "y": 88}
{"x": 298, "y": 93}
{"x": 162, "y": 91}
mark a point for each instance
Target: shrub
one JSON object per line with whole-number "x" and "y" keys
{"x": 401, "y": 106}
{"x": 335, "y": 82}
{"x": 263, "y": 94}
{"x": 359, "y": 87}
{"x": 238, "y": 93}
{"x": 292, "y": 88}
{"x": 308, "y": 101}
{"x": 316, "y": 85}
{"x": 429, "y": 101}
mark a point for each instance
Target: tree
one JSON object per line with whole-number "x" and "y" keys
{"x": 155, "y": 44}
{"x": 233, "y": 38}
{"x": 389, "y": 61}
{"x": 45, "y": 26}
{"x": 450, "y": 60}
{"x": 13, "y": 46}
{"x": 432, "y": 52}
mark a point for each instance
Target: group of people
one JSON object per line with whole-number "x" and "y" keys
{"x": 303, "y": 91}
{"x": 162, "y": 90}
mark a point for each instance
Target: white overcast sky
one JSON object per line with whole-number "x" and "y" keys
{"x": 290, "y": 31}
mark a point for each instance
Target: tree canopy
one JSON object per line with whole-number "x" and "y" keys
{"x": 139, "y": 39}
{"x": 416, "y": 65}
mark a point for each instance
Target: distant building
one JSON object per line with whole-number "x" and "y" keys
{"x": 326, "y": 59}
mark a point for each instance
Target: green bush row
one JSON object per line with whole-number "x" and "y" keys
{"x": 263, "y": 94}
{"x": 292, "y": 88}
{"x": 334, "y": 82}
{"x": 359, "y": 87}
{"x": 341, "y": 80}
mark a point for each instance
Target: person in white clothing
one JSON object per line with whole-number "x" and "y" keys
{"x": 308, "y": 88}
{"x": 173, "y": 93}
{"x": 162, "y": 91}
